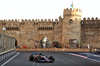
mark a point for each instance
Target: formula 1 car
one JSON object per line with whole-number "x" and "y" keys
{"x": 39, "y": 57}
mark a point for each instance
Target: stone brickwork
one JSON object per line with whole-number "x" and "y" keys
{"x": 62, "y": 30}
{"x": 90, "y": 32}
{"x": 71, "y": 30}
{"x": 34, "y": 29}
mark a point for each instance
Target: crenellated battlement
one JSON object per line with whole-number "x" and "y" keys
{"x": 30, "y": 20}
{"x": 72, "y": 12}
{"x": 10, "y": 20}
{"x": 90, "y": 20}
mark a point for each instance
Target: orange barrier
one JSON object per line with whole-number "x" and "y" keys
{"x": 24, "y": 46}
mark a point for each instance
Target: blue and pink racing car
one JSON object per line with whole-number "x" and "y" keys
{"x": 39, "y": 57}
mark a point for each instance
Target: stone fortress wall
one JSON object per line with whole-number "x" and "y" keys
{"x": 35, "y": 29}
{"x": 61, "y": 30}
{"x": 90, "y": 30}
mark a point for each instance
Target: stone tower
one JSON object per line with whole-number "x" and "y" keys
{"x": 71, "y": 27}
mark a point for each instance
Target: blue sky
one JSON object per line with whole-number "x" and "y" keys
{"x": 45, "y": 9}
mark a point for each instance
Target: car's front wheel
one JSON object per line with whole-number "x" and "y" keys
{"x": 51, "y": 58}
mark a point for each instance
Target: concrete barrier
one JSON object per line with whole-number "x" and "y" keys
{"x": 6, "y": 54}
{"x": 57, "y": 49}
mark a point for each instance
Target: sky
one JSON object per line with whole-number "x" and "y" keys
{"x": 46, "y": 9}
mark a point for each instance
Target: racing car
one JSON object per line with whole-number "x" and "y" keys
{"x": 39, "y": 57}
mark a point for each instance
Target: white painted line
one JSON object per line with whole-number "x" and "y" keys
{"x": 78, "y": 55}
{"x": 10, "y": 59}
{"x": 93, "y": 60}
{"x": 83, "y": 57}
{"x": 38, "y": 64}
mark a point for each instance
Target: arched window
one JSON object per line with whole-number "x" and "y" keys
{"x": 51, "y": 28}
{"x": 81, "y": 22}
{"x": 45, "y": 28}
{"x": 17, "y": 28}
{"x": 9, "y": 28}
{"x": 39, "y": 28}
{"x": 34, "y": 23}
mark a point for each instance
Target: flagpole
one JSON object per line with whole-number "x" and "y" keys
{"x": 72, "y": 6}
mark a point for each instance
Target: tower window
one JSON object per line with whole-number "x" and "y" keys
{"x": 81, "y": 22}
{"x": 20, "y": 23}
{"x": 71, "y": 21}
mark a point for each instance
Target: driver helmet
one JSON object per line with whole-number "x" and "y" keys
{"x": 40, "y": 53}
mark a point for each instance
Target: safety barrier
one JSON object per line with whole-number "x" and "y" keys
{"x": 6, "y": 43}
{"x": 7, "y": 46}
{"x": 6, "y": 54}
{"x": 57, "y": 49}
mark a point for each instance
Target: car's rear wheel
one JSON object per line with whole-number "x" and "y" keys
{"x": 31, "y": 57}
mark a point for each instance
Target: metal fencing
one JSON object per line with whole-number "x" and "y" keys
{"x": 6, "y": 43}
{"x": 7, "y": 46}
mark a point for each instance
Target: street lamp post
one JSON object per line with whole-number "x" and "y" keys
{"x": 4, "y": 29}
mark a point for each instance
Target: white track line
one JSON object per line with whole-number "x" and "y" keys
{"x": 10, "y": 59}
{"x": 78, "y": 55}
{"x": 83, "y": 57}
{"x": 93, "y": 60}
{"x": 38, "y": 64}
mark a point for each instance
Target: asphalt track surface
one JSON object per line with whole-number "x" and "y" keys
{"x": 62, "y": 59}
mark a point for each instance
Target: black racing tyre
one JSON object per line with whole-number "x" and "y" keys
{"x": 51, "y": 61}
{"x": 31, "y": 57}
{"x": 51, "y": 58}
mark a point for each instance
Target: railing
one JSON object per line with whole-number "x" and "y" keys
{"x": 6, "y": 54}
{"x": 7, "y": 46}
